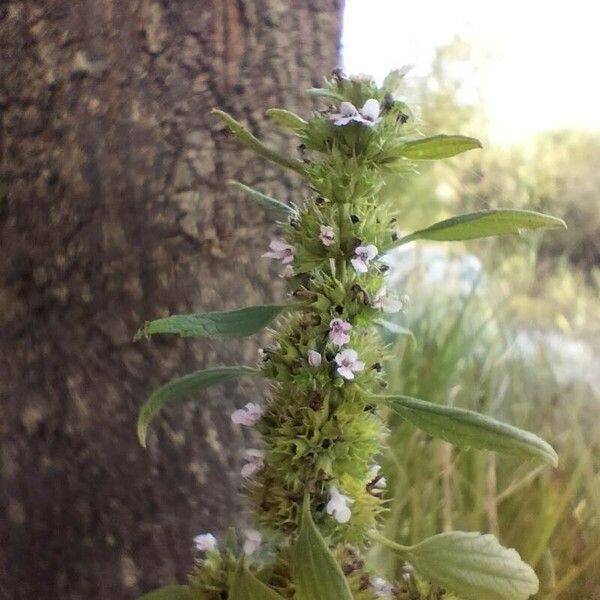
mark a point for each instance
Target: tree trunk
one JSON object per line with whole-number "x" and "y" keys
{"x": 115, "y": 210}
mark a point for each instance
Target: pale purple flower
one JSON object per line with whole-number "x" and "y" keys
{"x": 280, "y": 250}
{"x": 367, "y": 115}
{"x": 387, "y": 305}
{"x": 381, "y": 588}
{"x": 254, "y": 462}
{"x": 248, "y": 416}
{"x": 337, "y": 506}
{"x": 327, "y": 235}
{"x": 205, "y": 542}
{"x": 348, "y": 114}
{"x": 348, "y": 363}
{"x": 338, "y": 331}
{"x": 252, "y": 541}
{"x": 363, "y": 255}
{"x": 314, "y": 358}
{"x": 370, "y": 112}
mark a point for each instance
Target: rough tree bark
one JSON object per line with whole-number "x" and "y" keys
{"x": 114, "y": 210}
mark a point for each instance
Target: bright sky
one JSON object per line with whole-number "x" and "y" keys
{"x": 541, "y": 68}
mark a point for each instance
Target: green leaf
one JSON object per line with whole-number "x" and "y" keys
{"x": 184, "y": 386}
{"x": 438, "y": 146}
{"x": 325, "y": 93}
{"x": 396, "y": 329}
{"x": 473, "y": 566}
{"x": 484, "y": 223}
{"x": 394, "y": 79}
{"x": 287, "y": 119}
{"x": 246, "y": 586}
{"x": 169, "y": 592}
{"x": 265, "y": 200}
{"x": 316, "y": 572}
{"x": 244, "y": 135}
{"x": 230, "y": 324}
{"x": 468, "y": 429}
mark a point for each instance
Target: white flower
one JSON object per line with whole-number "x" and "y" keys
{"x": 363, "y": 255}
{"x": 248, "y": 416}
{"x": 373, "y": 472}
{"x": 348, "y": 363}
{"x": 367, "y": 115}
{"x": 381, "y": 587}
{"x": 337, "y": 506}
{"x": 252, "y": 541}
{"x": 280, "y": 250}
{"x": 205, "y": 542}
{"x": 339, "y": 331}
{"x": 370, "y": 111}
{"x": 387, "y": 305}
{"x": 314, "y": 358}
{"x": 327, "y": 235}
{"x": 254, "y": 462}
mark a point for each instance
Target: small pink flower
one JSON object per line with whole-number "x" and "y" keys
{"x": 314, "y": 358}
{"x": 367, "y": 115}
{"x": 348, "y": 114}
{"x": 370, "y": 112}
{"x": 280, "y": 250}
{"x": 337, "y": 506}
{"x": 205, "y": 542}
{"x": 252, "y": 541}
{"x": 348, "y": 363}
{"x": 254, "y": 462}
{"x": 338, "y": 331}
{"x": 363, "y": 255}
{"x": 248, "y": 416}
{"x": 387, "y": 305}
{"x": 327, "y": 235}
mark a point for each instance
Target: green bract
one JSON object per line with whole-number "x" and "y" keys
{"x": 316, "y": 572}
{"x": 313, "y": 484}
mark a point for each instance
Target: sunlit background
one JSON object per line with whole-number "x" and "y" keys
{"x": 508, "y": 327}
{"x": 532, "y": 65}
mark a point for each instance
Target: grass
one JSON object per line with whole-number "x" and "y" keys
{"x": 466, "y": 356}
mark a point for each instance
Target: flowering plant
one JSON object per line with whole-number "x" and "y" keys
{"x": 314, "y": 484}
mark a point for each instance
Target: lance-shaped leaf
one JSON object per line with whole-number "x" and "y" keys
{"x": 469, "y": 429}
{"x": 181, "y": 387}
{"x": 396, "y": 329}
{"x": 228, "y": 324}
{"x": 484, "y": 223}
{"x": 316, "y": 572}
{"x": 249, "y": 140}
{"x": 473, "y": 566}
{"x": 438, "y": 146}
{"x": 325, "y": 93}
{"x": 169, "y": 592}
{"x": 265, "y": 200}
{"x": 246, "y": 586}
{"x": 287, "y": 119}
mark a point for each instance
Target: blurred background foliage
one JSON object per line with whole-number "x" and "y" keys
{"x": 508, "y": 327}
